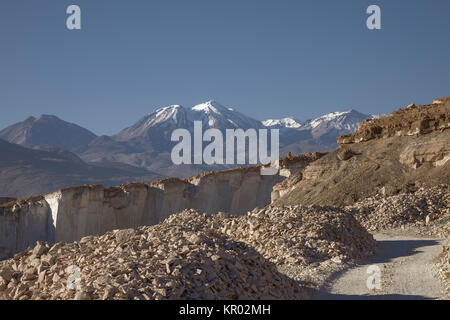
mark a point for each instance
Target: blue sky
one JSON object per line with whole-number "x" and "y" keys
{"x": 267, "y": 59}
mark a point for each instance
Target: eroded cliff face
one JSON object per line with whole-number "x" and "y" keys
{"x": 68, "y": 215}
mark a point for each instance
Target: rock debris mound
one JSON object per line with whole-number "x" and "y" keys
{"x": 302, "y": 235}
{"x": 166, "y": 261}
{"x": 190, "y": 256}
{"x": 419, "y": 208}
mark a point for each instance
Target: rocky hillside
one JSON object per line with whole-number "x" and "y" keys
{"x": 412, "y": 121}
{"x": 401, "y": 152}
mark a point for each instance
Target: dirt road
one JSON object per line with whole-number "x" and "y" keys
{"x": 403, "y": 264}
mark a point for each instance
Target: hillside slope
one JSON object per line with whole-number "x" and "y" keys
{"x": 25, "y": 172}
{"x": 407, "y": 149}
{"x": 47, "y": 131}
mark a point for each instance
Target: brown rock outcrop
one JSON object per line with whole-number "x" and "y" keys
{"x": 403, "y": 122}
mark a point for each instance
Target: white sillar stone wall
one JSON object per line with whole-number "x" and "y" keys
{"x": 21, "y": 227}
{"x": 70, "y": 214}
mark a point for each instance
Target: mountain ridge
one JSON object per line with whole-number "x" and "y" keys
{"x": 26, "y": 172}
{"x": 147, "y": 143}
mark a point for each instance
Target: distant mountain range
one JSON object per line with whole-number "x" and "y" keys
{"x": 27, "y": 172}
{"x": 317, "y": 134}
{"x": 147, "y": 145}
{"x": 47, "y": 132}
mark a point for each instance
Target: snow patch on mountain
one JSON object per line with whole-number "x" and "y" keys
{"x": 282, "y": 123}
{"x": 161, "y": 115}
{"x": 211, "y": 113}
{"x": 341, "y": 120}
{"x": 215, "y": 115}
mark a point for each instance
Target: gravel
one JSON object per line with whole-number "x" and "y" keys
{"x": 421, "y": 208}
{"x": 192, "y": 256}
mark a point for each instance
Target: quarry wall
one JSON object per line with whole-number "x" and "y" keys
{"x": 68, "y": 215}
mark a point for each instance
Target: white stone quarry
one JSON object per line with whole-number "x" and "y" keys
{"x": 70, "y": 214}
{"x": 22, "y": 226}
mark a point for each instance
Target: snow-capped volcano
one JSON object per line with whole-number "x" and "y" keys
{"x": 154, "y": 130}
{"x": 173, "y": 116}
{"x": 214, "y": 115}
{"x": 211, "y": 113}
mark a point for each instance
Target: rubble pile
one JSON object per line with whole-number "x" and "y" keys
{"x": 423, "y": 207}
{"x": 190, "y": 256}
{"x": 166, "y": 261}
{"x": 302, "y": 235}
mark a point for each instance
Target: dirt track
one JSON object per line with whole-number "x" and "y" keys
{"x": 404, "y": 262}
